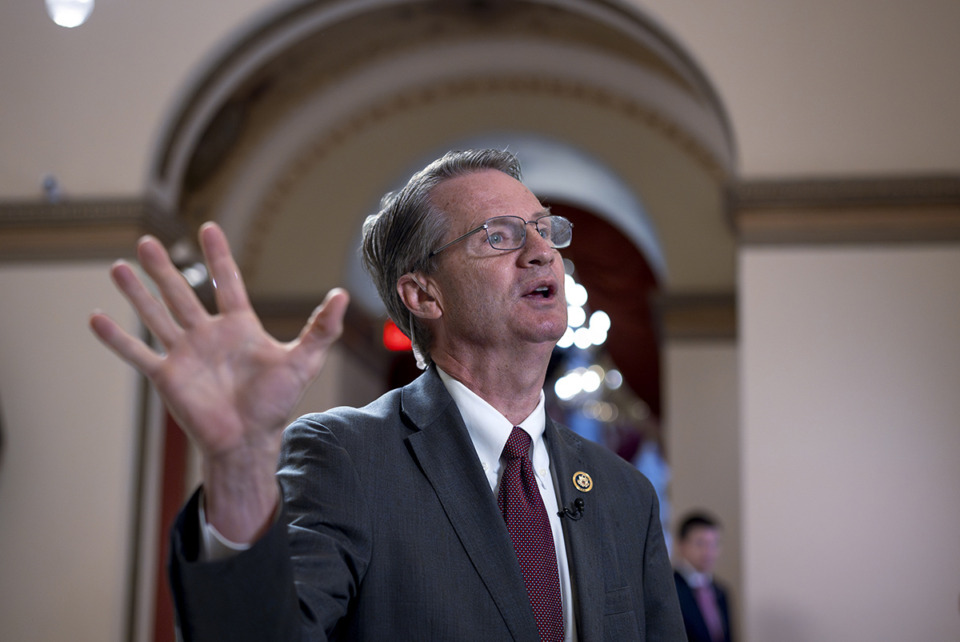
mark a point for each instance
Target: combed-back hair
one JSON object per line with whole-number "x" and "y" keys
{"x": 399, "y": 238}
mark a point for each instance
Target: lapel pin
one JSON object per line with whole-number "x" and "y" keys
{"x": 582, "y": 481}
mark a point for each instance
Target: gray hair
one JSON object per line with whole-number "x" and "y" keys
{"x": 399, "y": 238}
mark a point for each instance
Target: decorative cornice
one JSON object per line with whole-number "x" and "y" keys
{"x": 881, "y": 210}
{"x": 697, "y": 316}
{"x": 80, "y": 229}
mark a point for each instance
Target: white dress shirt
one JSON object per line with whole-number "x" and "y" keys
{"x": 694, "y": 578}
{"x": 489, "y": 431}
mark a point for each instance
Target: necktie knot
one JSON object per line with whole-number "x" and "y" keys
{"x": 518, "y": 444}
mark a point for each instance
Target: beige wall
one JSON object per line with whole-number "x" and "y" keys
{"x": 851, "y": 443}
{"x": 829, "y": 86}
{"x": 88, "y": 104}
{"x": 69, "y": 417}
{"x": 702, "y": 393}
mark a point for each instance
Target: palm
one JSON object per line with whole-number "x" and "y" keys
{"x": 227, "y": 381}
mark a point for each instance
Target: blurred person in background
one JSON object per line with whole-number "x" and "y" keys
{"x": 703, "y": 600}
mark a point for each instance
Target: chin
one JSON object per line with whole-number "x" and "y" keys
{"x": 554, "y": 332}
{"x": 544, "y": 328}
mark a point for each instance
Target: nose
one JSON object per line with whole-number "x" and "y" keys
{"x": 536, "y": 250}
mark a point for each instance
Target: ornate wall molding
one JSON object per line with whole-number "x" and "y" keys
{"x": 272, "y": 203}
{"x": 80, "y": 229}
{"x": 697, "y": 316}
{"x": 880, "y": 210}
{"x": 306, "y": 45}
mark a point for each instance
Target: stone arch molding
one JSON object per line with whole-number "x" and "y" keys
{"x": 293, "y": 133}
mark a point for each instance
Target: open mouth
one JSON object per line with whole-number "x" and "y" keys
{"x": 542, "y": 292}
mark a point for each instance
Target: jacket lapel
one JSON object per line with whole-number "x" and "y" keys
{"x": 583, "y": 536}
{"x": 442, "y": 447}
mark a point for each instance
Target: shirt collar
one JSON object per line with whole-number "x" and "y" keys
{"x": 694, "y": 578}
{"x": 488, "y": 429}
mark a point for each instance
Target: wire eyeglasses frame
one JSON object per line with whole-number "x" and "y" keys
{"x": 559, "y": 233}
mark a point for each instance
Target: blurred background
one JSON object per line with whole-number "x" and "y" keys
{"x": 763, "y": 285}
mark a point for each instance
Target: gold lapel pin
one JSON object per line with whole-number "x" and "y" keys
{"x": 582, "y": 481}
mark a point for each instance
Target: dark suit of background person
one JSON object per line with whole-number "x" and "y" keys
{"x": 394, "y": 534}
{"x": 697, "y": 550}
{"x": 384, "y": 525}
{"x": 693, "y": 621}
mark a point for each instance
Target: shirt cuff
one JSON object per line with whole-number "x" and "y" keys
{"x": 213, "y": 545}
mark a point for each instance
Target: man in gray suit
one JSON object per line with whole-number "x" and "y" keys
{"x": 395, "y": 521}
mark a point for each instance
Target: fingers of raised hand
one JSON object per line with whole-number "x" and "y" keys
{"x": 230, "y": 290}
{"x": 130, "y": 349}
{"x": 152, "y": 312}
{"x": 181, "y": 300}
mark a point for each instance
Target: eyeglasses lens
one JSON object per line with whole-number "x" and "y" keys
{"x": 509, "y": 232}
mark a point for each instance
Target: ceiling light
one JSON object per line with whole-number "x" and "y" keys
{"x": 69, "y": 13}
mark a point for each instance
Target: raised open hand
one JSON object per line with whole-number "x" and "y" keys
{"x": 227, "y": 382}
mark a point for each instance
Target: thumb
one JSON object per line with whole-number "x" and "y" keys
{"x": 326, "y": 323}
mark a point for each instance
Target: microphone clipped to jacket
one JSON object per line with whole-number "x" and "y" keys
{"x": 574, "y": 513}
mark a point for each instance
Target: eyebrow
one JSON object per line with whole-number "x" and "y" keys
{"x": 545, "y": 211}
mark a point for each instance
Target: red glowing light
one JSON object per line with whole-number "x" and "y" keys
{"x": 394, "y": 339}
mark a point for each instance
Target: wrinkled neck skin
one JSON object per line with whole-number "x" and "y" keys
{"x": 510, "y": 380}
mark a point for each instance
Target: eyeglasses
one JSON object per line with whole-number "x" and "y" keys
{"x": 510, "y": 232}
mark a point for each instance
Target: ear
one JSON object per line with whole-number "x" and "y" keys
{"x": 416, "y": 292}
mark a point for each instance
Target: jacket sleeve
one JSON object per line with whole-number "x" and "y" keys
{"x": 248, "y": 596}
{"x": 298, "y": 580}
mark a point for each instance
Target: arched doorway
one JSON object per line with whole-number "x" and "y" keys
{"x": 290, "y": 137}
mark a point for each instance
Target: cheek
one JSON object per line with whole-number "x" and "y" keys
{"x": 458, "y": 290}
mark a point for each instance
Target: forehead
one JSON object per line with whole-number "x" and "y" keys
{"x": 471, "y": 199}
{"x": 702, "y": 534}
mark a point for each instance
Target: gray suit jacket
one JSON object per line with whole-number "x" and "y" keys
{"x": 390, "y": 532}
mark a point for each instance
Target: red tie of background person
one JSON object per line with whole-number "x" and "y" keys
{"x": 707, "y": 602}
{"x": 526, "y": 518}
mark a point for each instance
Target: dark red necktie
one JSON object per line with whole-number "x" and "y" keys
{"x": 526, "y": 518}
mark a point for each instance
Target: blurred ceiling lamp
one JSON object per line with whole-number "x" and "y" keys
{"x": 69, "y": 13}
